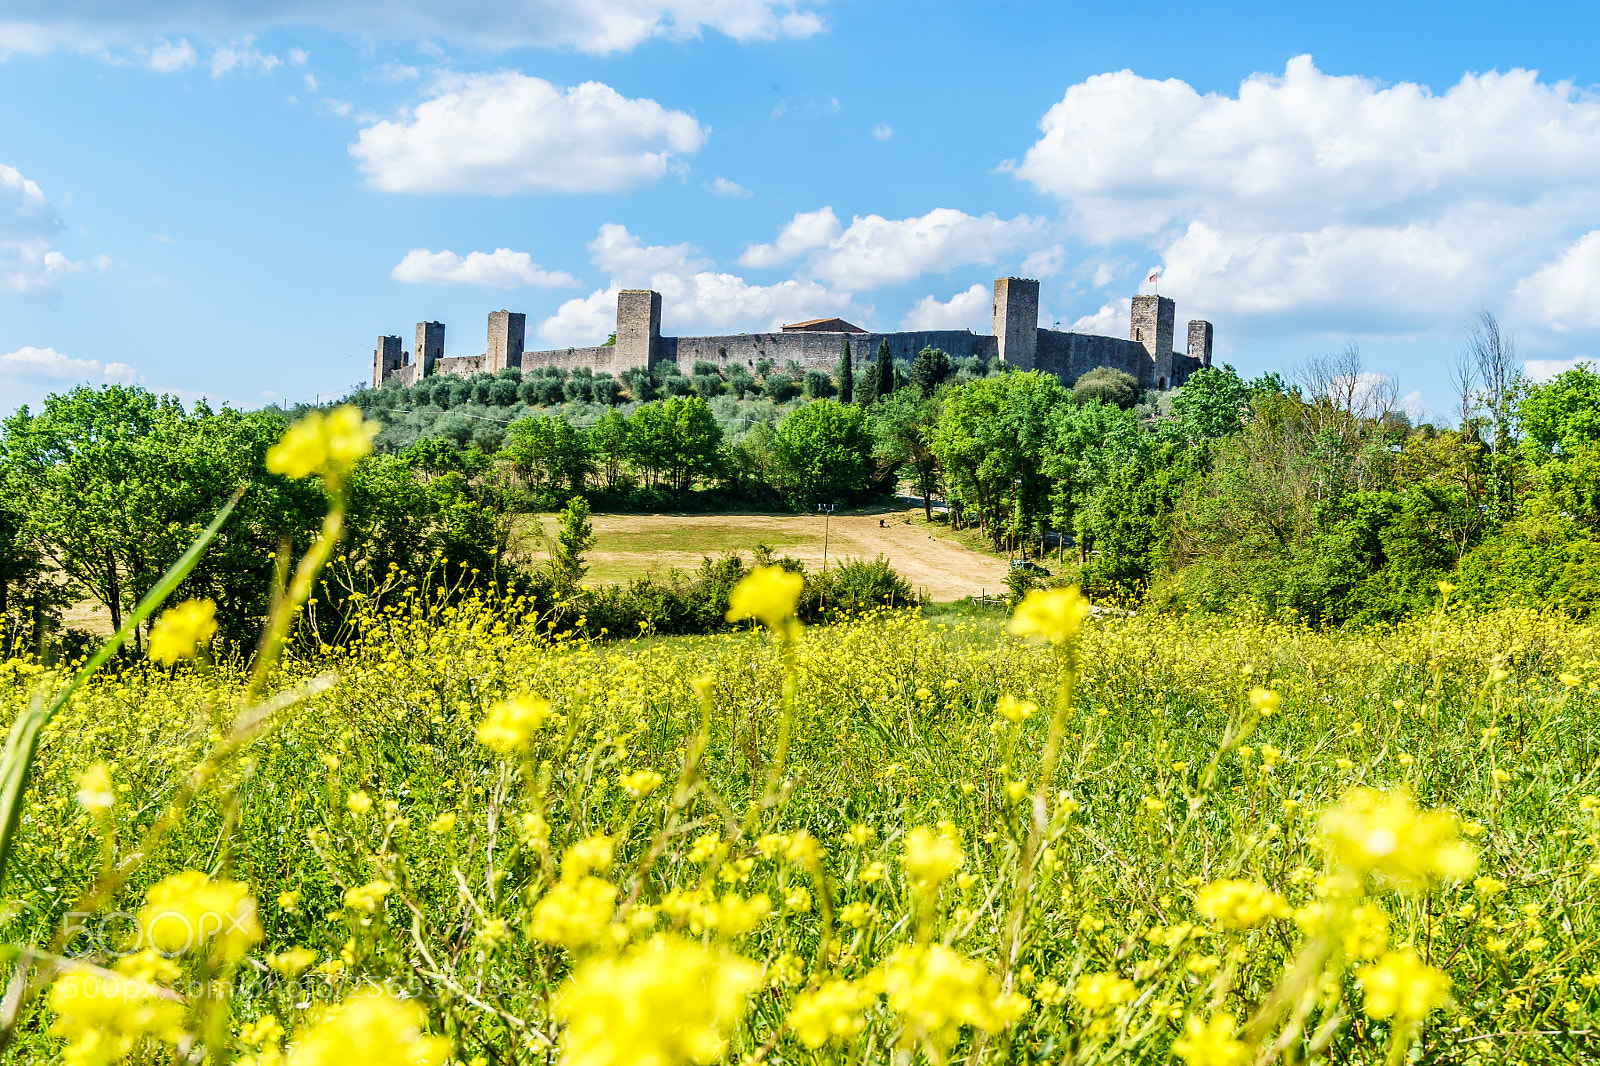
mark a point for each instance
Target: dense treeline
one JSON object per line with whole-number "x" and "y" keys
{"x": 1312, "y": 498}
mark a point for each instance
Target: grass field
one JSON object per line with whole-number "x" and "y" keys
{"x": 688, "y": 848}
{"x": 631, "y": 546}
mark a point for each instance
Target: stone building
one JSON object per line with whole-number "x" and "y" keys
{"x": 1017, "y": 339}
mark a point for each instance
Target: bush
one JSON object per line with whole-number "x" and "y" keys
{"x": 855, "y": 584}
{"x": 1107, "y": 386}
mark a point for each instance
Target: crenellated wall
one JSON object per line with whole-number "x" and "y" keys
{"x": 1148, "y": 355}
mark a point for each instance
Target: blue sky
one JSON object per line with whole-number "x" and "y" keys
{"x": 236, "y": 199}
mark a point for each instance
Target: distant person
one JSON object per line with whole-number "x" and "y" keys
{"x": 880, "y": 524}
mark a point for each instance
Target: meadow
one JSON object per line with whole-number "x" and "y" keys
{"x": 829, "y": 845}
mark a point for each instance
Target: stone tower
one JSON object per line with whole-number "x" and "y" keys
{"x": 638, "y": 329}
{"x": 1016, "y": 320}
{"x": 1200, "y": 342}
{"x": 506, "y": 330}
{"x": 387, "y": 359}
{"x": 1154, "y": 320}
{"x": 430, "y": 347}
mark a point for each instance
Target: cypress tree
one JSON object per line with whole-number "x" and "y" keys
{"x": 847, "y": 376}
{"x": 885, "y": 380}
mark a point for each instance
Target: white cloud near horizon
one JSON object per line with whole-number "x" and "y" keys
{"x": 1312, "y": 201}
{"x": 29, "y": 266}
{"x": 695, "y": 298}
{"x": 499, "y": 269}
{"x": 972, "y": 309}
{"x": 29, "y": 373}
{"x": 598, "y": 27}
{"x": 1112, "y": 320}
{"x": 506, "y": 133}
{"x": 874, "y": 251}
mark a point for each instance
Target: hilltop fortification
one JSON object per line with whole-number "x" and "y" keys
{"x": 1017, "y": 339}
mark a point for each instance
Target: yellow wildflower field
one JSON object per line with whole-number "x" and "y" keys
{"x": 894, "y": 838}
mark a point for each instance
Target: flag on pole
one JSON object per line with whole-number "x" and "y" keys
{"x": 1154, "y": 274}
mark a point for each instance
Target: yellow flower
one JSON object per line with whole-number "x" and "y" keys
{"x": 856, "y": 914}
{"x": 1383, "y": 833}
{"x": 1014, "y": 710}
{"x": 94, "y": 788}
{"x": 359, "y": 802}
{"x": 369, "y": 1029}
{"x": 733, "y": 915}
{"x": 931, "y": 857}
{"x": 1488, "y": 886}
{"x": 1101, "y": 991}
{"x": 189, "y": 909}
{"x": 575, "y": 913}
{"x": 104, "y": 1017}
{"x": 1364, "y": 933}
{"x": 640, "y": 783}
{"x": 1266, "y": 703}
{"x": 1210, "y": 1043}
{"x": 264, "y": 1030}
{"x": 510, "y": 725}
{"x": 1050, "y": 617}
{"x": 1402, "y": 986}
{"x": 292, "y": 962}
{"x": 666, "y": 1002}
{"x": 367, "y": 897}
{"x": 938, "y": 990}
{"x": 328, "y": 445}
{"x": 768, "y": 594}
{"x": 1237, "y": 905}
{"x": 445, "y": 823}
{"x": 180, "y": 631}
{"x": 831, "y": 1013}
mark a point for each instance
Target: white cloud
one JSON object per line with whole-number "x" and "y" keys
{"x": 595, "y": 26}
{"x": 28, "y": 374}
{"x": 241, "y": 55}
{"x": 508, "y": 133}
{"x": 311, "y": 82}
{"x": 1044, "y": 262}
{"x": 882, "y": 131}
{"x": 298, "y": 57}
{"x": 724, "y": 187}
{"x": 695, "y": 298}
{"x": 29, "y": 266}
{"x": 808, "y": 230}
{"x": 1334, "y": 202}
{"x": 1545, "y": 369}
{"x": 397, "y": 72}
{"x": 972, "y": 309}
{"x": 169, "y": 57}
{"x": 499, "y": 269}
{"x": 1564, "y": 294}
{"x": 874, "y": 250}
{"x": 1112, "y": 320}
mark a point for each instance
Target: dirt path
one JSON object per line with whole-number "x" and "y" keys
{"x": 631, "y": 545}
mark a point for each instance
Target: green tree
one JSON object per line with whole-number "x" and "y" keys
{"x": 992, "y": 440}
{"x": 676, "y": 440}
{"x": 1211, "y": 403}
{"x": 608, "y": 443}
{"x": 883, "y": 377}
{"x": 929, "y": 370}
{"x": 574, "y": 538}
{"x": 903, "y": 426}
{"x": 547, "y": 452}
{"x": 847, "y": 375}
{"x": 823, "y": 453}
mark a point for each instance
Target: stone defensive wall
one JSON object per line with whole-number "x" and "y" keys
{"x": 1147, "y": 355}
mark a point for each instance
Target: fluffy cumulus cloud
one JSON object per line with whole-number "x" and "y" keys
{"x": 1335, "y": 201}
{"x": 1110, "y": 321}
{"x": 596, "y": 26}
{"x": 874, "y": 251}
{"x": 972, "y": 309}
{"x": 696, "y": 298}
{"x": 29, "y": 266}
{"x": 28, "y": 373}
{"x": 507, "y": 133}
{"x": 499, "y": 269}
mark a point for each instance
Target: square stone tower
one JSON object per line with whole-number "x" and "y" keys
{"x": 506, "y": 329}
{"x": 430, "y": 346}
{"x": 1016, "y": 320}
{"x": 387, "y": 359}
{"x": 1200, "y": 341}
{"x": 638, "y": 329}
{"x": 1154, "y": 322}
